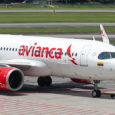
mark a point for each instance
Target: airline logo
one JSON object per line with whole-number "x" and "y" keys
{"x": 69, "y": 54}
{"x": 102, "y": 33}
{"x": 38, "y": 51}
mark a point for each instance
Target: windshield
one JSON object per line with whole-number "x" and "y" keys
{"x": 106, "y": 55}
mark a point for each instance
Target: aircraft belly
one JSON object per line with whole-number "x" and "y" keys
{"x": 62, "y": 70}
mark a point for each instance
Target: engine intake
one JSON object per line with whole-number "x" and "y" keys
{"x": 11, "y": 78}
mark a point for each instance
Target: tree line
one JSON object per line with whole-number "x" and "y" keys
{"x": 82, "y": 1}
{"x": 61, "y": 1}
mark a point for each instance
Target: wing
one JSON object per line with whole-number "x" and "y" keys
{"x": 29, "y": 67}
{"x": 104, "y": 35}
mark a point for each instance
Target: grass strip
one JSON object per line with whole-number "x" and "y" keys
{"x": 112, "y": 42}
{"x": 93, "y": 5}
{"x": 34, "y": 17}
{"x": 54, "y": 30}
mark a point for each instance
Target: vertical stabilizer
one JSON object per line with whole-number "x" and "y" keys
{"x": 104, "y": 35}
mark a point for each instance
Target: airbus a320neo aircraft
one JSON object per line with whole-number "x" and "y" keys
{"x": 83, "y": 61}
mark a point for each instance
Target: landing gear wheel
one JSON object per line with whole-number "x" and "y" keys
{"x": 41, "y": 81}
{"x": 44, "y": 81}
{"x": 112, "y": 96}
{"x": 96, "y": 93}
{"x": 48, "y": 81}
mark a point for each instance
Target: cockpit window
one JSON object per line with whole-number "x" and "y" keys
{"x": 104, "y": 55}
{"x": 112, "y": 54}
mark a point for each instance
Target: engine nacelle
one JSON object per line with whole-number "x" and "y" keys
{"x": 11, "y": 79}
{"x": 84, "y": 81}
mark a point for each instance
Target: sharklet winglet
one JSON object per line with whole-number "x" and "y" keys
{"x": 104, "y": 35}
{"x": 93, "y": 38}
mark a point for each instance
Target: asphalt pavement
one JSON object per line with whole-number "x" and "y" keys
{"x": 24, "y": 25}
{"x": 64, "y": 97}
{"x": 57, "y": 10}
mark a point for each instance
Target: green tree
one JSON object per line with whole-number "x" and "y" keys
{"x": 9, "y": 1}
{"x": 106, "y": 1}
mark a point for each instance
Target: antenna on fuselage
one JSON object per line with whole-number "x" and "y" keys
{"x": 93, "y": 38}
{"x": 104, "y": 35}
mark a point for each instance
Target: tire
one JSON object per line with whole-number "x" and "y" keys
{"x": 48, "y": 81}
{"x": 41, "y": 81}
{"x": 44, "y": 81}
{"x": 96, "y": 93}
{"x": 112, "y": 96}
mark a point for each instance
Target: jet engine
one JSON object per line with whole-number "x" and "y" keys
{"x": 11, "y": 78}
{"x": 84, "y": 81}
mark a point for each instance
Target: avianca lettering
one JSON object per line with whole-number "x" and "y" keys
{"x": 38, "y": 51}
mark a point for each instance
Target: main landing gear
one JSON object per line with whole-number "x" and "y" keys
{"x": 44, "y": 81}
{"x": 96, "y": 92}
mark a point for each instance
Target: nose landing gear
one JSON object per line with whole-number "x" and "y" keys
{"x": 96, "y": 92}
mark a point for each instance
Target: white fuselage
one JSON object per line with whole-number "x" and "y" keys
{"x": 71, "y": 58}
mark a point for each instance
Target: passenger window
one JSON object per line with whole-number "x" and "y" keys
{"x": 76, "y": 54}
{"x": 104, "y": 55}
{"x": 7, "y": 49}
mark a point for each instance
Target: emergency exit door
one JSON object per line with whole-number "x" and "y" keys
{"x": 84, "y": 55}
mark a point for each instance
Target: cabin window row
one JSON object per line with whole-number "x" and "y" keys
{"x": 8, "y": 49}
{"x": 16, "y": 49}
{"x": 63, "y": 53}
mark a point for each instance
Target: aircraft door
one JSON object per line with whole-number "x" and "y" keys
{"x": 84, "y": 55}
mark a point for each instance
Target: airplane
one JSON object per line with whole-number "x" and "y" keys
{"x": 83, "y": 61}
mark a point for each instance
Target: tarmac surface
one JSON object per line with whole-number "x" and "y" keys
{"x": 25, "y": 25}
{"x": 64, "y": 97}
{"x": 58, "y": 10}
